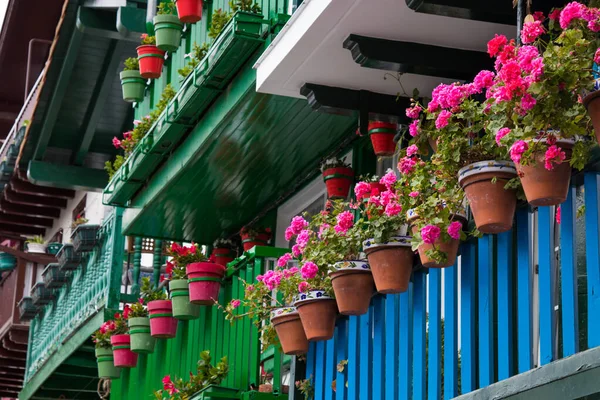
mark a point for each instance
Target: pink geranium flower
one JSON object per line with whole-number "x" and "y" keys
{"x": 116, "y": 142}
{"x": 413, "y": 112}
{"x": 345, "y": 221}
{"x": 430, "y": 233}
{"x": 303, "y": 286}
{"x": 412, "y": 150}
{"x": 235, "y": 303}
{"x": 393, "y": 209}
{"x": 558, "y": 215}
{"x": 500, "y": 134}
{"x": 406, "y": 165}
{"x": 495, "y": 45}
{"x": 554, "y": 155}
{"x": 531, "y": 31}
{"x": 284, "y": 259}
{"x": 309, "y": 270}
{"x": 442, "y": 119}
{"x": 454, "y": 230}
{"x": 571, "y": 11}
{"x": 413, "y": 194}
{"x": 388, "y": 179}
{"x": 517, "y": 150}
{"x": 413, "y": 128}
{"x": 362, "y": 189}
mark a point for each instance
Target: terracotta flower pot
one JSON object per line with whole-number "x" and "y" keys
{"x": 123, "y": 356}
{"x": 290, "y": 332}
{"x": 592, "y": 105}
{"x": 180, "y": 297}
{"x": 382, "y": 137}
{"x": 391, "y": 263}
{"x": 106, "y": 366}
{"x": 546, "y": 187}
{"x": 151, "y": 60}
{"x": 450, "y": 248}
{"x": 139, "y": 331}
{"x": 317, "y": 312}
{"x": 189, "y": 11}
{"x": 353, "y": 287}
{"x": 223, "y": 256}
{"x": 162, "y": 323}
{"x": 493, "y": 207}
{"x": 338, "y": 181}
{"x": 262, "y": 239}
{"x": 205, "y": 282}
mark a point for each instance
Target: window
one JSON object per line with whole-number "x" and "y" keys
{"x": 79, "y": 210}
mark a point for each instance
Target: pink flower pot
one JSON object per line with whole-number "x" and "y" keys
{"x": 205, "y": 282}
{"x": 162, "y": 323}
{"x": 123, "y": 356}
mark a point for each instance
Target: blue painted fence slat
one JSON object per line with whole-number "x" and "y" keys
{"x": 485, "y": 310}
{"x": 435, "y": 356}
{"x": 468, "y": 316}
{"x": 341, "y": 354}
{"x": 329, "y": 369}
{"x": 592, "y": 251}
{"x": 569, "y": 309}
{"x": 353, "y": 358}
{"x": 320, "y": 370}
{"x": 524, "y": 282}
{"x": 364, "y": 331}
{"x": 310, "y": 361}
{"x": 545, "y": 255}
{"x": 379, "y": 346}
{"x": 391, "y": 346}
{"x": 405, "y": 354}
{"x": 419, "y": 325}
{"x": 450, "y": 332}
{"x": 505, "y": 305}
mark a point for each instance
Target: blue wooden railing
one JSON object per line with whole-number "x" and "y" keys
{"x": 506, "y": 295}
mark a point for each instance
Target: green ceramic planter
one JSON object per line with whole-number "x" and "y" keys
{"x": 106, "y": 368}
{"x": 220, "y": 392}
{"x": 180, "y": 297}
{"x": 248, "y": 23}
{"x": 167, "y": 29}
{"x": 139, "y": 330}
{"x": 133, "y": 86}
{"x": 8, "y": 262}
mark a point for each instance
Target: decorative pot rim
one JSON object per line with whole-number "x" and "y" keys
{"x": 168, "y": 18}
{"x": 311, "y": 295}
{"x": 394, "y": 241}
{"x": 486, "y": 166}
{"x": 279, "y": 312}
{"x": 350, "y": 265}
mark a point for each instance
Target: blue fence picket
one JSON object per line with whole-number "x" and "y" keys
{"x": 524, "y": 284}
{"x": 405, "y": 353}
{"x": 310, "y": 361}
{"x": 468, "y": 316}
{"x": 568, "y": 261}
{"x": 592, "y": 252}
{"x": 435, "y": 337}
{"x": 505, "y": 304}
{"x": 330, "y": 373}
{"x": 485, "y": 310}
{"x": 419, "y": 326}
{"x": 545, "y": 255}
{"x": 378, "y": 348}
{"x": 364, "y": 331}
{"x": 391, "y": 346}
{"x": 450, "y": 332}
{"x": 353, "y": 370}
{"x": 341, "y": 354}
{"x": 319, "y": 370}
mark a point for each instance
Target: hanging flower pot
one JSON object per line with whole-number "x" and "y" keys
{"x": 180, "y": 297}
{"x": 545, "y": 187}
{"x": 205, "y": 282}
{"x": 106, "y": 366}
{"x": 376, "y": 189}
{"x": 318, "y": 312}
{"x": 493, "y": 207}
{"x": 223, "y": 256}
{"x": 353, "y": 286}
{"x": 167, "y": 28}
{"x": 250, "y": 240}
{"x": 133, "y": 85}
{"x": 141, "y": 340}
{"x": 37, "y": 248}
{"x": 591, "y": 103}
{"x": 189, "y": 11}
{"x": 290, "y": 332}
{"x": 382, "y": 137}
{"x": 123, "y": 356}
{"x": 162, "y": 323}
{"x": 338, "y": 181}
{"x": 151, "y": 61}
{"x": 449, "y": 247}
{"x": 391, "y": 263}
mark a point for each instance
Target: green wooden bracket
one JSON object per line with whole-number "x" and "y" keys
{"x": 66, "y": 176}
{"x": 131, "y": 22}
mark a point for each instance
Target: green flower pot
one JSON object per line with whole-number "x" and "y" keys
{"x": 214, "y": 391}
{"x": 133, "y": 86}
{"x": 248, "y": 23}
{"x": 106, "y": 368}
{"x": 167, "y": 29}
{"x": 180, "y": 297}
{"x": 139, "y": 330}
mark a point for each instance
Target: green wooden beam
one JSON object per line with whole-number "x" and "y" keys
{"x": 66, "y": 176}
{"x": 71, "y": 385}
{"x": 79, "y": 337}
{"x": 99, "y": 97}
{"x": 131, "y": 22}
{"x": 58, "y": 94}
{"x": 569, "y": 378}
{"x": 102, "y": 23}
{"x": 26, "y": 187}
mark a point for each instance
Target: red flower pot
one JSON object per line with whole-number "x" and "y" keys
{"x": 205, "y": 282}
{"x": 223, "y": 256}
{"x": 262, "y": 239}
{"x": 151, "y": 61}
{"x": 189, "y": 11}
{"x": 382, "y": 137}
{"x": 338, "y": 181}
{"x": 123, "y": 356}
{"x": 162, "y": 323}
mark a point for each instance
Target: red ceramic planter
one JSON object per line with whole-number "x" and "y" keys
{"x": 338, "y": 181}
{"x": 382, "y": 137}
{"x": 205, "y": 282}
{"x": 262, "y": 239}
{"x": 223, "y": 256}
{"x": 189, "y": 11}
{"x": 123, "y": 356}
{"x": 162, "y": 323}
{"x": 151, "y": 61}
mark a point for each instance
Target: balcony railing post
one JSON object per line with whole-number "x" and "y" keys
{"x": 116, "y": 262}
{"x": 137, "y": 263}
{"x": 158, "y": 261}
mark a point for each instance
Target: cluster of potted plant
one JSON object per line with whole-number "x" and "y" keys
{"x": 36, "y": 244}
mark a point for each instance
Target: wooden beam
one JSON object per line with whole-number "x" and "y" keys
{"x": 12, "y": 355}
{"x": 58, "y": 94}
{"x": 10, "y": 345}
{"x": 22, "y": 230}
{"x": 31, "y": 200}
{"x": 16, "y": 364}
{"x": 98, "y": 102}
{"x": 26, "y": 187}
{"x": 20, "y": 337}
{"x": 32, "y": 257}
{"x": 67, "y": 176}
{"x": 19, "y": 209}
{"x": 27, "y": 221}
